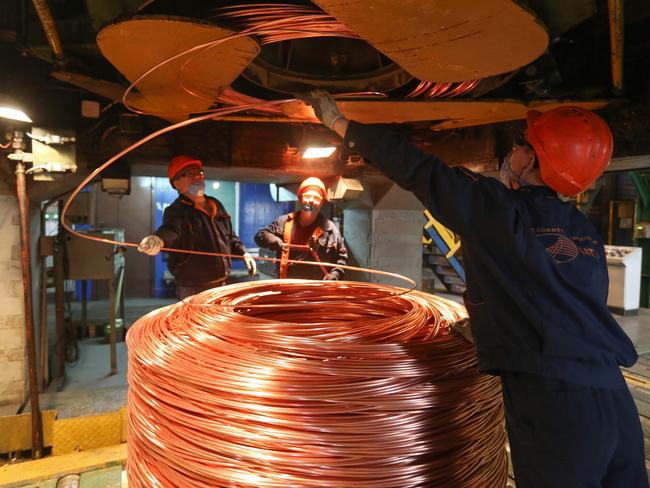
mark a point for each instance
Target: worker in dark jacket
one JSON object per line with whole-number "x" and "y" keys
{"x": 536, "y": 291}
{"x": 196, "y": 222}
{"x": 306, "y": 235}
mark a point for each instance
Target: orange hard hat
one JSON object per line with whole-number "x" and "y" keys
{"x": 573, "y": 146}
{"x": 312, "y": 183}
{"x": 179, "y": 163}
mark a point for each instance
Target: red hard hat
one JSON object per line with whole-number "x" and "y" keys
{"x": 179, "y": 163}
{"x": 312, "y": 183}
{"x": 573, "y": 146}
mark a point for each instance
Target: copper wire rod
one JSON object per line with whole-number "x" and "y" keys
{"x": 343, "y": 394}
{"x": 313, "y": 23}
{"x": 249, "y": 385}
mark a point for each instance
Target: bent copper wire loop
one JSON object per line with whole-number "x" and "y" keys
{"x": 341, "y": 394}
{"x": 268, "y": 23}
{"x": 292, "y": 383}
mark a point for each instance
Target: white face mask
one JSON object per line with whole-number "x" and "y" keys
{"x": 505, "y": 171}
{"x": 196, "y": 189}
{"x": 506, "y": 175}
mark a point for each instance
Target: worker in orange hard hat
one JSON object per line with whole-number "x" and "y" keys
{"x": 198, "y": 222}
{"x": 306, "y": 235}
{"x": 570, "y": 147}
{"x": 536, "y": 294}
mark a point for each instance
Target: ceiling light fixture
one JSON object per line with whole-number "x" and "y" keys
{"x": 318, "y": 152}
{"x": 9, "y": 109}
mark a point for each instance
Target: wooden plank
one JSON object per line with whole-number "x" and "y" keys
{"x": 136, "y": 45}
{"x": 641, "y": 368}
{"x": 15, "y": 475}
{"x": 645, "y": 426}
{"x": 446, "y": 114}
{"x": 446, "y": 40}
{"x": 639, "y": 393}
{"x": 643, "y": 408}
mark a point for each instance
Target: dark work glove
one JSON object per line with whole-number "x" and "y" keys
{"x": 276, "y": 244}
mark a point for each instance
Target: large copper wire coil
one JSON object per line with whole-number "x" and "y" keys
{"x": 255, "y": 385}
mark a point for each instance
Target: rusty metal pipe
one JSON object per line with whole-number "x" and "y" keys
{"x": 616, "y": 42}
{"x": 25, "y": 259}
{"x": 45, "y": 16}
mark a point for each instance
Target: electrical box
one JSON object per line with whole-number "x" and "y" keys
{"x": 92, "y": 260}
{"x": 54, "y": 153}
{"x": 624, "y": 268}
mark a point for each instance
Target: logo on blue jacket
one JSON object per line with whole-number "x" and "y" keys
{"x": 560, "y": 247}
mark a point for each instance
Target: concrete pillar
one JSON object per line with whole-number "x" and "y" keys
{"x": 386, "y": 236}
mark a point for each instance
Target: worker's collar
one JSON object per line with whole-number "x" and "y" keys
{"x": 542, "y": 189}
{"x": 186, "y": 199}
{"x": 213, "y": 209}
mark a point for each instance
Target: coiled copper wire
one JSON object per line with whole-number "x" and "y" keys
{"x": 292, "y": 383}
{"x": 239, "y": 387}
{"x": 270, "y": 23}
{"x": 283, "y": 22}
{"x": 274, "y": 23}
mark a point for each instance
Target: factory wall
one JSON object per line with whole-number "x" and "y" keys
{"x": 133, "y": 213}
{"x": 140, "y": 213}
{"x": 12, "y": 316}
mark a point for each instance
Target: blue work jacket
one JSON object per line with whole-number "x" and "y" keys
{"x": 535, "y": 267}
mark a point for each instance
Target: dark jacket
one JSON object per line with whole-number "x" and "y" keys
{"x": 536, "y": 273}
{"x": 185, "y": 227}
{"x": 330, "y": 248}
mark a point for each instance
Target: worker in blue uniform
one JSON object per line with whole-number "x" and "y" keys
{"x": 536, "y": 291}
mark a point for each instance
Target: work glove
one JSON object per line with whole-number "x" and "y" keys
{"x": 331, "y": 276}
{"x": 250, "y": 264}
{"x": 324, "y": 106}
{"x": 151, "y": 245}
{"x": 463, "y": 329}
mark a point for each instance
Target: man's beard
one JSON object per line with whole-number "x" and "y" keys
{"x": 307, "y": 207}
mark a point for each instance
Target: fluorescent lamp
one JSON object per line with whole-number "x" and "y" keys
{"x": 318, "y": 152}
{"x": 13, "y": 114}
{"x": 9, "y": 109}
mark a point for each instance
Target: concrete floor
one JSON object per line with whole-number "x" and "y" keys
{"x": 637, "y": 327}
{"x": 93, "y": 369}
